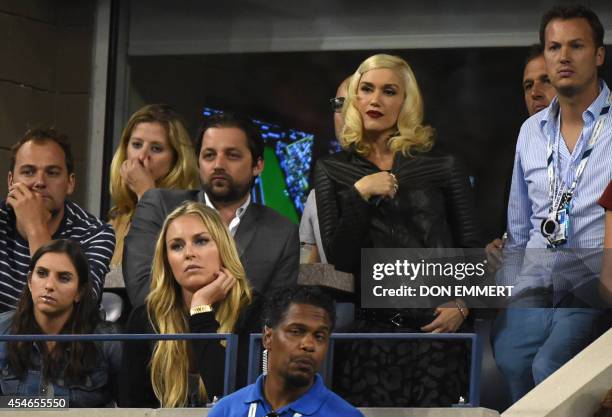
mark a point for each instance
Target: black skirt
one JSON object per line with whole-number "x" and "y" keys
{"x": 400, "y": 373}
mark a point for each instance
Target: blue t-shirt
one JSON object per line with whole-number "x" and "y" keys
{"x": 318, "y": 401}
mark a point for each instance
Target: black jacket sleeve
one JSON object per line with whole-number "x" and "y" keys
{"x": 460, "y": 201}
{"x": 210, "y": 354}
{"x": 135, "y": 389}
{"x": 344, "y": 219}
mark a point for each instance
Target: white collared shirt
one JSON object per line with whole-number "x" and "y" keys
{"x": 233, "y": 226}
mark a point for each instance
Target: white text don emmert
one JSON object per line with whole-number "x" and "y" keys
{"x": 445, "y": 291}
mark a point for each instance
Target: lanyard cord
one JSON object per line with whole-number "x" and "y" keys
{"x": 555, "y": 186}
{"x": 253, "y": 411}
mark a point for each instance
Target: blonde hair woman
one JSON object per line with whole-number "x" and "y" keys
{"x": 198, "y": 286}
{"x": 384, "y": 189}
{"x": 154, "y": 151}
{"x": 400, "y": 130}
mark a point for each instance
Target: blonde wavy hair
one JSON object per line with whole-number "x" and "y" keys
{"x": 184, "y": 173}
{"x": 167, "y": 312}
{"x": 411, "y": 135}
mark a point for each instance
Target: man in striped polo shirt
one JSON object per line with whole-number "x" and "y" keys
{"x": 41, "y": 175}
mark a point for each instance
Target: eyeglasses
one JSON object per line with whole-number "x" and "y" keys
{"x": 336, "y": 104}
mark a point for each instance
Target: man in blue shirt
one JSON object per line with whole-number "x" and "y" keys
{"x": 299, "y": 321}
{"x": 538, "y": 93}
{"x": 562, "y": 166}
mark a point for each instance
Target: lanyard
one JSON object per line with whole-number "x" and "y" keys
{"x": 253, "y": 411}
{"x": 555, "y": 186}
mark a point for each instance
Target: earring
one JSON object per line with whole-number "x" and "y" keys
{"x": 264, "y": 362}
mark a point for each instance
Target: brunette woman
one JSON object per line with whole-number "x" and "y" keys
{"x": 58, "y": 300}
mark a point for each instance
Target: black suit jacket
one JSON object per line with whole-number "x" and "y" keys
{"x": 268, "y": 243}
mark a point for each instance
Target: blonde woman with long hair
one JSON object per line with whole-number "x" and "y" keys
{"x": 198, "y": 286}
{"x": 386, "y": 190}
{"x": 154, "y": 151}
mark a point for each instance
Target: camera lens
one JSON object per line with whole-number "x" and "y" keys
{"x": 549, "y": 227}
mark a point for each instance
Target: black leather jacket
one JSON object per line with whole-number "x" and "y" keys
{"x": 433, "y": 207}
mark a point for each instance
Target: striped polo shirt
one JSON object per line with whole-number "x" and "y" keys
{"x": 97, "y": 240}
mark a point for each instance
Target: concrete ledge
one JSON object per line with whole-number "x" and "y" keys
{"x": 203, "y": 412}
{"x": 310, "y": 274}
{"x": 114, "y": 278}
{"x": 327, "y": 276}
{"x": 428, "y": 412}
{"x": 575, "y": 390}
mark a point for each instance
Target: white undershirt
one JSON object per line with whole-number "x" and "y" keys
{"x": 233, "y": 226}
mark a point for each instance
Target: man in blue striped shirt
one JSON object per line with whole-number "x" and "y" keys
{"x": 574, "y": 131}
{"x": 538, "y": 93}
{"x": 35, "y": 211}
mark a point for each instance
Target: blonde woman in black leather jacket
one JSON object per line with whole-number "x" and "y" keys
{"x": 386, "y": 190}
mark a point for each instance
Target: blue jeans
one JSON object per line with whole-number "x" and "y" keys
{"x": 531, "y": 343}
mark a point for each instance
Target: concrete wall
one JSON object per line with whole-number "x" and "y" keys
{"x": 234, "y": 26}
{"x": 45, "y": 67}
{"x": 575, "y": 390}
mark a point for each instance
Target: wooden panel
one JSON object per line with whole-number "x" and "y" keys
{"x": 80, "y": 193}
{"x": 42, "y": 10}
{"x": 4, "y": 167}
{"x": 75, "y": 13}
{"x": 71, "y": 118}
{"x": 74, "y": 60}
{"x": 28, "y": 52}
{"x": 20, "y": 108}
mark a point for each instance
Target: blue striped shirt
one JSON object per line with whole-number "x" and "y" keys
{"x": 96, "y": 238}
{"x": 529, "y": 201}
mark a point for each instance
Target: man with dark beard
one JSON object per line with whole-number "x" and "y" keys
{"x": 298, "y": 323}
{"x": 230, "y": 156}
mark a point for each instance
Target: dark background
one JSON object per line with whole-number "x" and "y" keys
{"x": 473, "y": 98}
